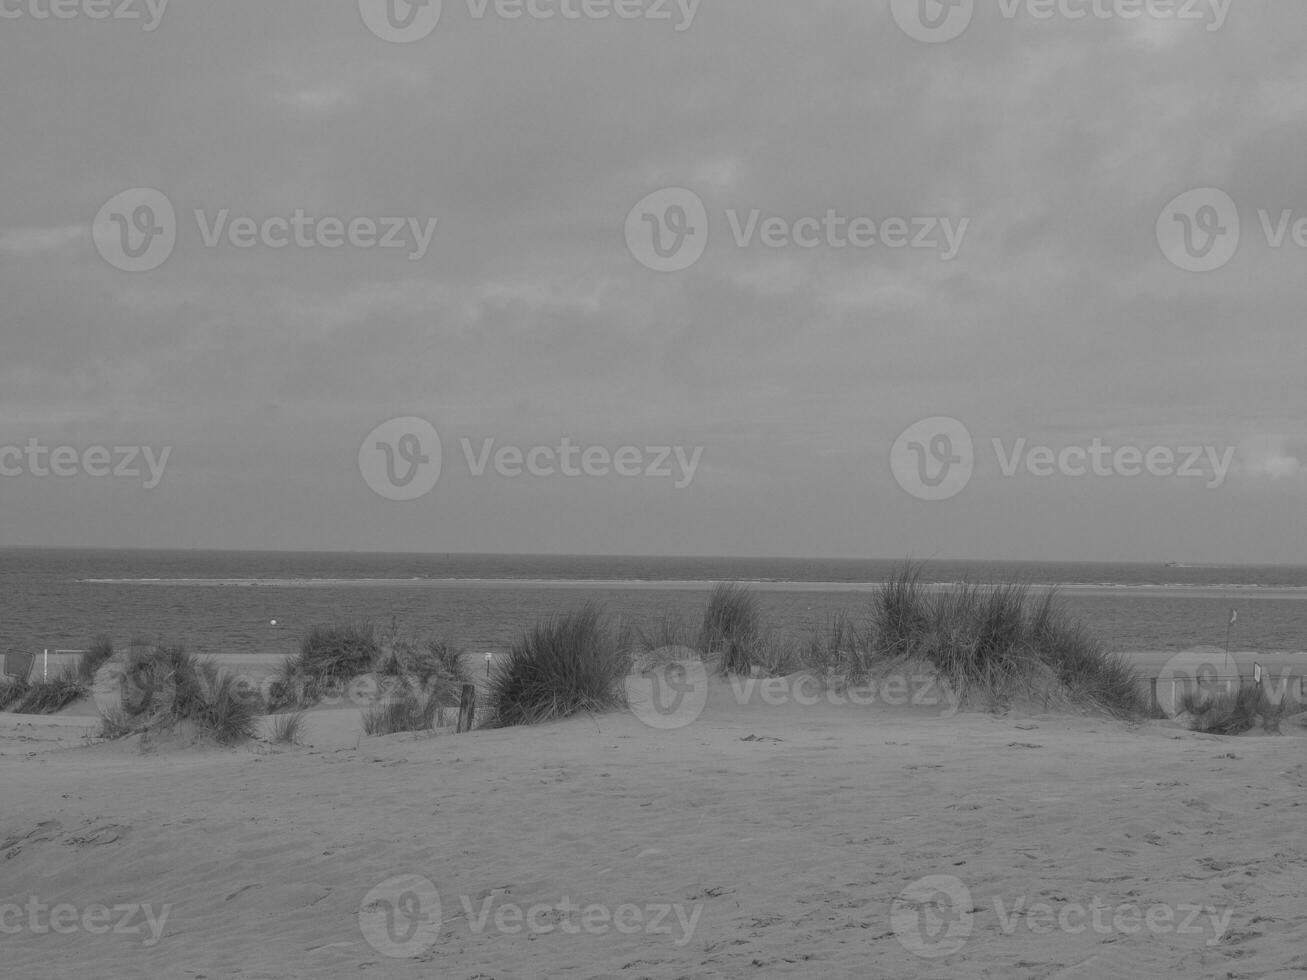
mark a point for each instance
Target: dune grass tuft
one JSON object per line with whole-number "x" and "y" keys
{"x": 165, "y": 685}
{"x": 563, "y": 666}
{"x": 731, "y": 631}
{"x": 413, "y": 711}
{"x": 840, "y": 651}
{"x": 287, "y": 729}
{"x": 435, "y": 664}
{"x": 339, "y": 652}
{"x": 46, "y": 697}
{"x": 93, "y": 658}
{"x": 899, "y": 612}
{"x": 330, "y": 657}
{"x": 671, "y": 639}
{"x": 116, "y": 723}
{"x": 1096, "y": 677}
{"x": 1231, "y": 712}
{"x": 12, "y": 691}
{"x": 220, "y": 712}
{"x": 1002, "y": 643}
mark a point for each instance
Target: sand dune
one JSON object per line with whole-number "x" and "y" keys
{"x": 761, "y": 840}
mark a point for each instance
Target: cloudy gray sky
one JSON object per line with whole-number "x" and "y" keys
{"x": 1053, "y": 147}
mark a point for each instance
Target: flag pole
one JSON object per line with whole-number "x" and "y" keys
{"x": 1234, "y": 615}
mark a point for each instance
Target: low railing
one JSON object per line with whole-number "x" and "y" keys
{"x": 27, "y": 666}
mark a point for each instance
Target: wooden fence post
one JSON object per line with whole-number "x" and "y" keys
{"x": 467, "y": 706}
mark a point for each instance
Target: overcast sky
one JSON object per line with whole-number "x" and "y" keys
{"x": 1034, "y": 292}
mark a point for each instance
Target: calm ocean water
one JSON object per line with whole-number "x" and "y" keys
{"x": 224, "y": 602}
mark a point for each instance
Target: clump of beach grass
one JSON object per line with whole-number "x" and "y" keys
{"x": 563, "y": 666}
{"x": 291, "y": 688}
{"x": 220, "y": 711}
{"x": 11, "y": 690}
{"x": 331, "y": 657}
{"x": 116, "y": 723}
{"x": 93, "y": 658}
{"x": 413, "y": 711}
{"x": 1097, "y": 677}
{"x": 1231, "y": 712}
{"x": 339, "y": 652}
{"x": 434, "y": 663}
{"x": 731, "y": 631}
{"x": 670, "y": 640}
{"x": 1001, "y": 644}
{"x": 900, "y": 613}
{"x": 288, "y": 728}
{"x": 44, "y": 697}
{"x": 840, "y": 651}
{"x": 165, "y": 686}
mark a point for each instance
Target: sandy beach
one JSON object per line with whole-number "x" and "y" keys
{"x": 767, "y": 838}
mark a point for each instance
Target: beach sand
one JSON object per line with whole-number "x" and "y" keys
{"x": 761, "y": 840}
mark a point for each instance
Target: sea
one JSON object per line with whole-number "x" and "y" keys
{"x": 262, "y": 603}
